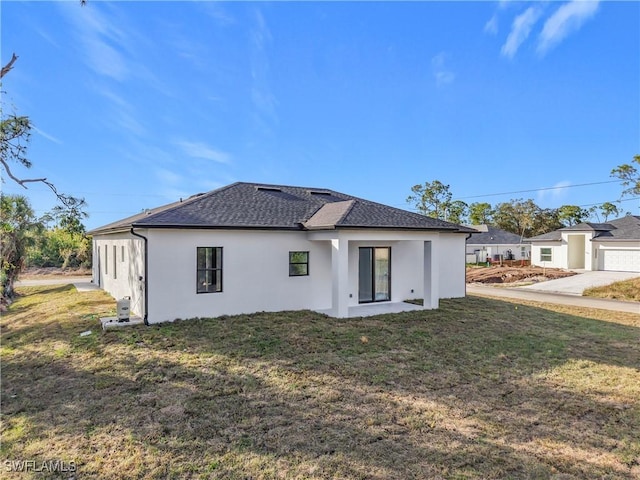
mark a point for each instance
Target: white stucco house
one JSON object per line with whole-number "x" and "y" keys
{"x": 493, "y": 242}
{"x": 613, "y": 245}
{"x": 248, "y": 247}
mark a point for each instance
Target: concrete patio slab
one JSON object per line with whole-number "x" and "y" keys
{"x": 112, "y": 322}
{"x": 371, "y": 309}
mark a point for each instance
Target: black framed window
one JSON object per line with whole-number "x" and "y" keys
{"x": 209, "y": 269}
{"x": 298, "y": 264}
{"x": 545, "y": 254}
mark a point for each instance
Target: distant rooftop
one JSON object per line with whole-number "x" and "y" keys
{"x": 490, "y": 235}
{"x": 625, "y": 228}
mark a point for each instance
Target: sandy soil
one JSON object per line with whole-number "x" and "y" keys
{"x": 513, "y": 275}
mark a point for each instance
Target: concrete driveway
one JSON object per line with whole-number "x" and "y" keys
{"x": 576, "y": 284}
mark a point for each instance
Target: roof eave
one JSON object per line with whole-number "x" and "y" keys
{"x": 217, "y": 227}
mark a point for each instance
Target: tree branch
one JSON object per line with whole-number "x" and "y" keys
{"x": 66, "y": 200}
{"x": 9, "y": 65}
{"x": 18, "y": 180}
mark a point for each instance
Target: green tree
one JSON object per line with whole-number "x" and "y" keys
{"x": 546, "y": 220}
{"x": 517, "y": 216}
{"x": 607, "y": 209}
{"x": 431, "y": 199}
{"x": 65, "y": 245}
{"x": 629, "y": 175}
{"x": 480, "y": 213}
{"x": 19, "y": 228}
{"x": 457, "y": 212}
{"x": 570, "y": 215}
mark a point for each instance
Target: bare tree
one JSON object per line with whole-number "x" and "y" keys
{"x": 15, "y": 131}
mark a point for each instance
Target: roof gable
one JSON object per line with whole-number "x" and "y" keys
{"x": 625, "y": 228}
{"x": 248, "y": 205}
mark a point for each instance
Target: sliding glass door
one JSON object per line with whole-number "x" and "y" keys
{"x": 374, "y": 274}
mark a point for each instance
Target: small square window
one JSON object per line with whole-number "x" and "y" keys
{"x": 545, "y": 254}
{"x": 298, "y": 264}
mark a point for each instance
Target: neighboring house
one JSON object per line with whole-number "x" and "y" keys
{"x": 249, "y": 247}
{"x": 493, "y": 242}
{"x": 614, "y": 245}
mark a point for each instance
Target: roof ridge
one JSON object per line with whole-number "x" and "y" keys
{"x": 347, "y": 210}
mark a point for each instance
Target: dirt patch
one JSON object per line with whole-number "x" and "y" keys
{"x": 45, "y": 272}
{"x": 513, "y": 274}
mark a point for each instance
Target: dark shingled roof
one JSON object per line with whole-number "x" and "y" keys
{"x": 249, "y": 205}
{"x": 490, "y": 235}
{"x": 625, "y": 228}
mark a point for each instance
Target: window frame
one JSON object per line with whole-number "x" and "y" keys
{"x": 115, "y": 262}
{"x": 292, "y": 263}
{"x": 544, "y": 255}
{"x": 216, "y": 270}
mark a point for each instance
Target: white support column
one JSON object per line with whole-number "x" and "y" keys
{"x": 339, "y": 278}
{"x": 431, "y": 294}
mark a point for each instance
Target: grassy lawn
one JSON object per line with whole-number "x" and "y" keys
{"x": 628, "y": 290}
{"x": 478, "y": 389}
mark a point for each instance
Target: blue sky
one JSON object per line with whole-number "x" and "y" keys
{"x": 136, "y": 104}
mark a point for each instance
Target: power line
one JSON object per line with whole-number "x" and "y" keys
{"x": 541, "y": 189}
{"x": 588, "y": 204}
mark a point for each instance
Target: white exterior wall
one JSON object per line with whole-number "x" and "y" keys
{"x": 255, "y": 273}
{"x": 255, "y": 269}
{"x": 600, "y": 248}
{"x": 128, "y": 280}
{"x": 575, "y": 250}
{"x": 452, "y": 265}
{"x": 558, "y": 255}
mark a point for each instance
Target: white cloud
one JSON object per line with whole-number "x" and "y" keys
{"x": 101, "y": 39}
{"x": 566, "y": 19}
{"x": 520, "y": 30}
{"x": 168, "y": 176}
{"x": 204, "y": 151}
{"x": 46, "y": 135}
{"x": 441, "y": 73}
{"x": 218, "y": 13}
{"x": 555, "y": 193}
{"x": 492, "y": 25}
{"x": 265, "y": 103}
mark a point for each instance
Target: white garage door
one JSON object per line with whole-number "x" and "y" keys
{"x": 622, "y": 260}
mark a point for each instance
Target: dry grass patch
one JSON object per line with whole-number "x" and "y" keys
{"x": 478, "y": 389}
{"x": 628, "y": 290}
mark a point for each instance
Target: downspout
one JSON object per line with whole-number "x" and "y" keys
{"x": 465, "y": 262}
{"x": 146, "y": 270}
